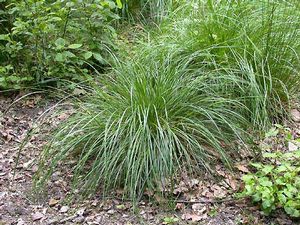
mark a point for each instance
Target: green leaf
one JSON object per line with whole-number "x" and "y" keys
{"x": 119, "y": 4}
{"x": 170, "y": 220}
{"x": 59, "y": 57}
{"x": 87, "y": 55}
{"x": 297, "y": 139}
{"x": 257, "y": 165}
{"x": 267, "y": 169}
{"x": 70, "y": 4}
{"x": 281, "y": 198}
{"x": 279, "y": 126}
{"x": 272, "y": 132}
{"x": 270, "y": 155}
{"x": 289, "y": 136}
{"x": 99, "y": 57}
{"x": 60, "y": 42}
{"x": 74, "y": 46}
{"x": 291, "y": 210}
{"x": 265, "y": 182}
{"x": 68, "y": 54}
{"x": 4, "y": 37}
{"x": 13, "y": 78}
{"x": 248, "y": 178}
{"x": 266, "y": 204}
{"x": 281, "y": 168}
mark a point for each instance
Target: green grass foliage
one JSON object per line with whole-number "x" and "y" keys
{"x": 144, "y": 125}
{"x": 147, "y": 10}
{"x": 257, "y": 40}
{"x": 213, "y": 70}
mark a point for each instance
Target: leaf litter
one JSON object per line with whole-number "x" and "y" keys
{"x": 206, "y": 199}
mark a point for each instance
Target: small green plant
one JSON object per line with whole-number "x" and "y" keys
{"x": 170, "y": 220}
{"x": 276, "y": 183}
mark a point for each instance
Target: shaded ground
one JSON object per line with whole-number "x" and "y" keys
{"x": 196, "y": 202}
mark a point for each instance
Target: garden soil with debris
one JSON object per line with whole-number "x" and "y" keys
{"x": 196, "y": 197}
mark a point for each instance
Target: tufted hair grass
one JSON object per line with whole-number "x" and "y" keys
{"x": 143, "y": 125}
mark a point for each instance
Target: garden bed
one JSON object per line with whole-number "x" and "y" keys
{"x": 199, "y": 200}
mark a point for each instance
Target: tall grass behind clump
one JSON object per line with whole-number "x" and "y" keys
{"x": 148, "y": 10}
{"x": 145, "y": 124}
{"x": 259, "y": 41}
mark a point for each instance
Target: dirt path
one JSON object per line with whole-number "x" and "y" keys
{"x": 18, "y": 204}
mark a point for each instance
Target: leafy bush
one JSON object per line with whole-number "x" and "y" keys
{"x": 256, "y": 40}
{"x": 51, "y": 40}
{"x": 144, "y": 125}
{"x": 276, "y": 184}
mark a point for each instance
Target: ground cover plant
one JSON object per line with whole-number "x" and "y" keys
{"x": 275, "y": 186}
{"x": 47, "y": 41}
{"x": 275, "y": 182}
{"x": 209, "y": 74}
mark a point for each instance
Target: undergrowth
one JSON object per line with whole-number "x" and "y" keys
{"x": 212, "y": 71}
{"x": 52, "y": 41}
{"x": 275, "y": 183}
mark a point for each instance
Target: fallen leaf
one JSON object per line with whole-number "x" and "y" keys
{"x": 200, "y": 208}
{"x": 63, "y": 116}
{"x": 232, "y": 182}
{"x": 64, "y": 209}
{"x": 79, "y": 220}
{"x": 218, "y": 192}
{"x": 207, "y": 193}
{"x": 220, "y": 171}
{"x": 181, "y": 188}
{"x": 179, "y": 206}
{"x": 27, "y": 164}
{"x": 292, "y": 147}
{"x": 242, "y": 168}
{"x": 20, "y": 222}
{"x": 111, "y": 211}
{"x": 193, "y": 217}
{"x": 193, "y": 183}
{"x": 295, "y": 115}
{"x": 80, "y": 212}
{"x": 37, "y": 216}
{"x": 53, "y": 202}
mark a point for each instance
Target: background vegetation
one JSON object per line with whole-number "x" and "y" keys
{"x": 205, "y": 75}
{"x": 46, "y": 41}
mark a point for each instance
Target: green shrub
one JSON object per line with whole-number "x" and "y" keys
{"x": 53, "y": 40}
{"x": 276, "y": 184}
{"x": 257, "y": 40}
{"x": 142, "y": 126}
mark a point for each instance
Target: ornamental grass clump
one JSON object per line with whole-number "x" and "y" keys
{"x": 144, "y": 125}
